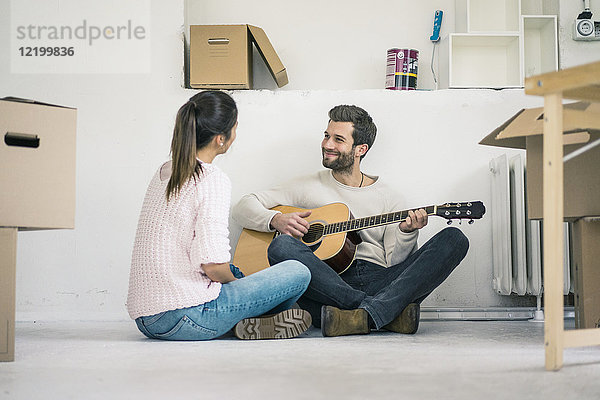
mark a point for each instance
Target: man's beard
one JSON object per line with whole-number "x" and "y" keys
{"x": 342, "y": 164}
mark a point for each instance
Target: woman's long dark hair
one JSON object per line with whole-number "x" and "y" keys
{"x": 204, "y": 116}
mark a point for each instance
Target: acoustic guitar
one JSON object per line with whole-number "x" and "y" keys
{"x": 333, "y": 233}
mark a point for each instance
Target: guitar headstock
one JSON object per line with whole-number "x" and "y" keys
{"x": 467, "y": 210}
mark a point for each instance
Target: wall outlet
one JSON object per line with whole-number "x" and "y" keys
{"x": 586, "y": 29}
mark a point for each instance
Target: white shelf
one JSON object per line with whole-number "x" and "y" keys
{"x": 485, "y": 60}
{"x": 540, "y": 48}
{"x": 493, "y": 15}
{"x": 501, "y": 46}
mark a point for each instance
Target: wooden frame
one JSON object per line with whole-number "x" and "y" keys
{"x": 581, "y": 83}
{"x": 8, "y": 259}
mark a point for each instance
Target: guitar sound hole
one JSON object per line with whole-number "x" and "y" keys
{"x": 315, "y": 233}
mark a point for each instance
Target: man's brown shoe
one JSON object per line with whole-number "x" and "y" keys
{"x": 336, "y": 322}
{"x": 407, "y": 321}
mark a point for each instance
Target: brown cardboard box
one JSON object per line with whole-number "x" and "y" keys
{"x": 37, "y": 165}
{"x": 586, "y": 258}
{"x": 221, "y": 56}
{"x": 581, "y": 125}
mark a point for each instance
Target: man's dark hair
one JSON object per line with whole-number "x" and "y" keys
{"x": 364, "y": 128}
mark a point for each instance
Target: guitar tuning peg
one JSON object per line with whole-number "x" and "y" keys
{"x": 449, "y": 222}
{"x": 471, "y": 222}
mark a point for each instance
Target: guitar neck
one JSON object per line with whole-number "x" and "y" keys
{"x": 370, "y": 222}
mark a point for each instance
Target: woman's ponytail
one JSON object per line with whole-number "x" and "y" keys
{"x": 183, "y": 149}
{"x": 204, "y": 116}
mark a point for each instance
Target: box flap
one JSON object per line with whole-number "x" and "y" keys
{"x": 493, "y": 140}
{"x": 29, "y": 101}
{"x": 268, "y": 53}
{"x": 579, "y": 119}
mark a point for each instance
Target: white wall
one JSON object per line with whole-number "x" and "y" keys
{"x": 427, "y": 146}
{"x": 573, "y": 52}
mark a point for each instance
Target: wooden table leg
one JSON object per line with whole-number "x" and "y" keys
{"x": 8, "y": 260}
{"x": 553, "y": 231}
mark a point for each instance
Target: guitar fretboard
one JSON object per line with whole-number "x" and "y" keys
{"x": 369, "y": 222}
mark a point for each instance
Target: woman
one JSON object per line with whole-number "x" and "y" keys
{"x": 181, "y": 285}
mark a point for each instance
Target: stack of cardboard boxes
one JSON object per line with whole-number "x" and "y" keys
{"x": 37, "y": 177}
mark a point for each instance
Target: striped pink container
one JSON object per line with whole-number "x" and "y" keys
{"x": 401, "y": 69}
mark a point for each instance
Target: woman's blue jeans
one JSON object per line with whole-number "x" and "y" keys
{"x": 269, "y": 291}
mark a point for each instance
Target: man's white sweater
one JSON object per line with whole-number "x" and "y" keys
{"x": 384, "y": 245}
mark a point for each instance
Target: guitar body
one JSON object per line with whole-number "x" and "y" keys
{"x": 337, "y": 250}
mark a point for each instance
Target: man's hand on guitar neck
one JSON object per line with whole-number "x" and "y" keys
{"x": 292, "y": 224}
{"x": 415, "y": 220}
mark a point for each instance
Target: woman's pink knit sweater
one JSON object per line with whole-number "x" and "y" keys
{"x": 175, "y": 238}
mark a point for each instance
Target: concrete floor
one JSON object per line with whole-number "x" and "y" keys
{"x": 444, "y": 360}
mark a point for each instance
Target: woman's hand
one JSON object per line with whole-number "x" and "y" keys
{"x": 219, "y": 272}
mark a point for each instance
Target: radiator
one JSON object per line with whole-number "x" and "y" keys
{"x": 517, "y": 241}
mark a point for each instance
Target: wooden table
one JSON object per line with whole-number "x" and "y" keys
{"x": 581, "y": 83}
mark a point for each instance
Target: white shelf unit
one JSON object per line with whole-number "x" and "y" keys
{"x": 484, "y": 60}
{"x": 540, "y": 49}
{"x": 500, "y": 47}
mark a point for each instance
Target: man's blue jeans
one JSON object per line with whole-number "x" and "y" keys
{"x": 269, "y": 291}
{"x": 383, "y": 292}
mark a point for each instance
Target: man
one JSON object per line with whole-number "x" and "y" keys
{"x": 389, "y": 277}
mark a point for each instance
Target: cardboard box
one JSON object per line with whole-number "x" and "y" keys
{"x": 221, "y": 56}
{"x": 586, "y": 259}
{"x": 37, "y": 165}
{"x": 581, "y": 126}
